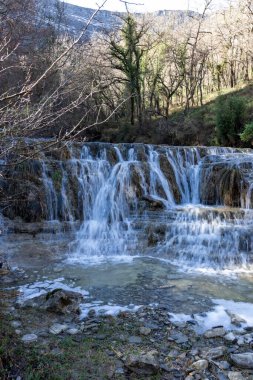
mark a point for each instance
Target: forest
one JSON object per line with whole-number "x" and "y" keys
{"x": 125, "y": 84}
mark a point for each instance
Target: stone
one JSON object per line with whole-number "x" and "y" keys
{"x": 153, "y": 202}
{"x": 135, "y": 340}
{"x": 235, "y": 319}
{"x": 178, "y": 337}
{"x": 216, "y": 332}
{"x": 224, "y": 365}
{"x": 215, "y": 353}
{"x": 240, "y": 341}
{"x": 58, "y": 328}
{"x": 145, "y": 331}
{"x": 57, "y": 301}
{"x": 230, "y": 337}
{"x": 143, "y": 364}
{"x": 248, "y": 338}
{"x": 173, "y": 354}
{"x": 244, "y": 360}
{"x": 29, "y": 338}
{"x": 73, "y": 331}
{"x": 235, "y": 376}
{"x": 200, "y": 365}
{"x": 16, "y": 324}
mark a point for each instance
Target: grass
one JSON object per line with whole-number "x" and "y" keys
{"x": 63, "y": 357}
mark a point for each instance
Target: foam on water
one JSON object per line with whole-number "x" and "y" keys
{"x": 113, "y": 310}
{"x": 95, "y": 260}
{"x": 36, "y": 289}
{"x": 219, "y": 316}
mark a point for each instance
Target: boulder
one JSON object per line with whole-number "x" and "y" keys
{"x": 57, "y": 301}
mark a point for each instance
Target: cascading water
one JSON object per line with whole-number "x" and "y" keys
{"x": 153, "y": 201}
{"x": 191, "y": 205}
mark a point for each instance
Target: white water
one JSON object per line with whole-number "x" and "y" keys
{"x": 111, "y": 188}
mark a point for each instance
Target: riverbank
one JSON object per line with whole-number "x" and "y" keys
{"x": 38, "y": 344}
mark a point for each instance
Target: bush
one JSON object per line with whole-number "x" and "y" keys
{"x": 247, "y": 134}
{"x": 230, "y": 118}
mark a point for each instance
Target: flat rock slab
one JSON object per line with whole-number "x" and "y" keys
{"x": 57, "y": 328}
{"x": 178, "y": 337}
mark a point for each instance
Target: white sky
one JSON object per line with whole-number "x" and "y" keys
{"x": 148, "y": 5}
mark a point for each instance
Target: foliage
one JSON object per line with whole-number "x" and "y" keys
{"x": 247, "y": 134}
{"x": 230, "y": 118}
{"x": 127, "y": 58}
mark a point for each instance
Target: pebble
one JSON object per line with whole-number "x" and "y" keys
{"x": 230, "y": 337}
{"x": 200, "y": 365}
{"x": 145, "y": 331}
{"x": 29, "y": 338}
{"x": 135, "y": 340}
{"x": 178, "y": 337}
{"x": 57, "y": 328}
{"x": 216, "y": 352}
{"x": 173, "y": 354}
{"x": 73, "y": 331}
{"x": 16, "y": 324}
{"x": 216, "y": 332}
{"x": 235, "y": 319}
{"x": 224, "y": 365}
{"x": 235, "y": 376}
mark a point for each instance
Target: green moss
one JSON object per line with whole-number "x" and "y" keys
{"x": 57, "y": 179}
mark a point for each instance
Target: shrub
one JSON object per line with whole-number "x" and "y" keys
{"x": 230, "y": 117}
{"x": 247, "y": 134}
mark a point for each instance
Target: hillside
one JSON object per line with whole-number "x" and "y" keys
{"x": 71, "y": 18}
{"x": 197, "y": 127}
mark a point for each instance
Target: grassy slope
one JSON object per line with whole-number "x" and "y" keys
{"x": 197, "y": 127}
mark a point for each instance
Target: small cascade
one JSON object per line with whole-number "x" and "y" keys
{"x": 210, "y": 237}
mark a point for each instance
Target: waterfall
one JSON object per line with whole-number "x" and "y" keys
{"x": 190, "y": 205}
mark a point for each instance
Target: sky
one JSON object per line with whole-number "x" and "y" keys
{"x": 148, "y": 5}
